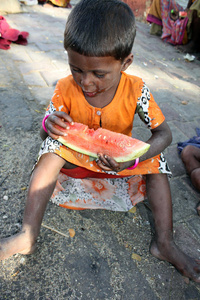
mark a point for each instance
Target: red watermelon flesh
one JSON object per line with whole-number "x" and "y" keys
{"x": 91, "y": 142}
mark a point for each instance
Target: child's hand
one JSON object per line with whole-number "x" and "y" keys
{"x": 58, "y": 118}
{"x": 107, "y": 163}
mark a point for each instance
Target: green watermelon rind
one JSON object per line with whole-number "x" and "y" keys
{"x": 124, "y": 158}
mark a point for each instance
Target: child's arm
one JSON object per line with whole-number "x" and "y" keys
{"x": 161, "y": 138}
{"x": 57, "y": 118}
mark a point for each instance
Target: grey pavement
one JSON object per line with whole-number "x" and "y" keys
{"x": 108, "y": 258}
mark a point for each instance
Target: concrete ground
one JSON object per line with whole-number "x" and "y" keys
{"x": 108, "y": 258}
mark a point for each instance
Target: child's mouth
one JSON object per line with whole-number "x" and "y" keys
{"x": 90, "y": 94}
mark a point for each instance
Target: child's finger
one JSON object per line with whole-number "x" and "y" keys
{"x": 55, "y": 120}
{"x": 103, "y": 160}
{"x": 112, "y": 162}
{"x": 103, "y": 166}
{"x": 64, "y": 117}
{"x": 53, "y": 130}
{"x": 59, "y": 118}
{"x": 107, "y": 163}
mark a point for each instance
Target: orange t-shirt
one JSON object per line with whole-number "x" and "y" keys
{"x": 132, "y": 96}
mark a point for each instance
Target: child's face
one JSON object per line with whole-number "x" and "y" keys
{"x": 98, "y": 77}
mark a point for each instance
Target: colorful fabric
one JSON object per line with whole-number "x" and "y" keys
{"x": 173, "y": 32}
{"x": 118, "y": 194}
{"x": 132, "y": 96}
{"x": 154, "y": 15}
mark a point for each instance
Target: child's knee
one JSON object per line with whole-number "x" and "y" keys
{"x": 190, "y": 153}
{"x": 187, "y": 153}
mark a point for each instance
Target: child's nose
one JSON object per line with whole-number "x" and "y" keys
{"x": 86, "y": 79}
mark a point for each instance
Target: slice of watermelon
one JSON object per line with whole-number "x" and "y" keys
{"x": 89, "y": 141}
{"x": 182, "y": 14}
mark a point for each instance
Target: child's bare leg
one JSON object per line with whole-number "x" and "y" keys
{"x": 190, "y": 156}
{"x": 163, "y": 246}
{"x": 41, "y": 187}
{"x": 195, "y": 178}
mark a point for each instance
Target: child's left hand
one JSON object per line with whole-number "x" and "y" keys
{"x": 108, "y": 163}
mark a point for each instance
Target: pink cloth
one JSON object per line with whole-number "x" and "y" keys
{"x": 173, "y": 31}
{"x": 160, "y": 13}
{"x": 8, "y": 35}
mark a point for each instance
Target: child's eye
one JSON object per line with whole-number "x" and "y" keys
{"x": 99, "y": 75}
{"x": 76, "y": 70}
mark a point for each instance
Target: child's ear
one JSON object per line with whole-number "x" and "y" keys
{"x": 127, "y": 62}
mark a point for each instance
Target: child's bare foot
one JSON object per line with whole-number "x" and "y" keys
{"x": 18, "y": 243}
{"x": 186, "y": 265}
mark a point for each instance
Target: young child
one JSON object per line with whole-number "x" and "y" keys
{"x": 99, "y": 36}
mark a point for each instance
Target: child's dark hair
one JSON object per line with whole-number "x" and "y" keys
{"x": 101, "y": 28}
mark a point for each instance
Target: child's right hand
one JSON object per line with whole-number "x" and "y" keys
{"x": 57, "y": 118}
